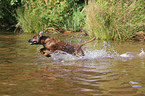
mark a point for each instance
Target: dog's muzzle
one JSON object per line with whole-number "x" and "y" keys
{"x": 31, "y": 43}
{"x": 29, "y": 40}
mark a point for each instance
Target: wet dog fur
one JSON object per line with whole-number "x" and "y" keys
{"x": 52, "y": 44}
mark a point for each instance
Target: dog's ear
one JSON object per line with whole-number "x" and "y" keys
{"x": 41, "y": 33}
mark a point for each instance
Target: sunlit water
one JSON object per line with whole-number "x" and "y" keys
{"x": 107, "y": 69}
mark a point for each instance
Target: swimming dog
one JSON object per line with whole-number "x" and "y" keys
{"x": 52, "y": 44}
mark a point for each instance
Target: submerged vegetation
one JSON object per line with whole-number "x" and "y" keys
{"x": 104, "y": 19}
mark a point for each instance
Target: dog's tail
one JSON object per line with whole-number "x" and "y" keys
{"x": 87, "y": 41}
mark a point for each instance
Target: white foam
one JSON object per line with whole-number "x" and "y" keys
{"x": 133, "y": 54}
{"x": 59, "y": 55}
{"x": 106, "y": 52}
{"x": 142, "y": 54}
{"x": 94, "y": 54}
{"x": 127, "y": 54}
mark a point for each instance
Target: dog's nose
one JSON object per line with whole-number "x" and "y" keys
{"x": 29, "y": 40}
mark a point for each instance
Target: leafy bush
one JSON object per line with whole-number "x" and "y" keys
{"x": 7, "y": 14}
{"x": 115, "y": 20}
{"x": 49, "y": 14}
{"x": 76, "y": 21}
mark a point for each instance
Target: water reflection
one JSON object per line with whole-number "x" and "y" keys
{"x": 25, "y": 72}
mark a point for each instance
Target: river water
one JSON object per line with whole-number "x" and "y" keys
{"x": 108, "y": 68}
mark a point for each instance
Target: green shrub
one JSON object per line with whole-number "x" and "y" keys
{"x": 76, "y": 21}
{"x": 8, "y": 13}
{"x": 34, "y": 16}
{"x": 115, "y": 20}
{"x": 42, "y": 14}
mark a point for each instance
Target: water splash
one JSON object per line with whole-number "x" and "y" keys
{"x": 128, "y": 54}
{"x": 60, "y": 55}
{"x": 133, "y": 54}
{"x": 142, "y": 54}
{"x": 106, "y": 52}
{"x": 95, "y": 54}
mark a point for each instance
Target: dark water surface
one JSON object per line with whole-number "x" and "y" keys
{"x": 108, "y": 69}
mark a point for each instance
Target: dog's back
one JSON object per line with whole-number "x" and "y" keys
{"x": 53, "y": 44}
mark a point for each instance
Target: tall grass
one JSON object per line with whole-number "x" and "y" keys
{"x": 114, "y": 19}
{"x": 29, "y": 17}
{"x": 76, "y": 21}
{"x": 59, "y": 15}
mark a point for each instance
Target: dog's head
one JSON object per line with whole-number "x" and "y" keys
{"x": 36, "y": 39}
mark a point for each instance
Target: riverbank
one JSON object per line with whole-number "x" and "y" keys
{"x": 109, "y": 20}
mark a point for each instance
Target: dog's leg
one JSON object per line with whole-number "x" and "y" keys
{"x": 48, "y": 53}
{"x": 44, "y": 53}
{"x": 42, "y": 50}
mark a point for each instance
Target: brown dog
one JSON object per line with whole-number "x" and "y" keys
{"x": 52, "y": 44}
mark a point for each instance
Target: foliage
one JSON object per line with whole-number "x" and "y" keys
{"x": 8, "y": 13}
{"x": 105, "y": 19}
{"x": 42, "y": 14}
{"x": 115, "y": 20}
{"x": 75, "y": 22}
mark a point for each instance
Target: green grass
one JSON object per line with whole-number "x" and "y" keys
{"x": 29, "y": 18}
{"x": 104, "y": 19}
{"x": 76, "y": 21}
{"x": 115, "y": 20}
{"x": 43, "y": 14}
